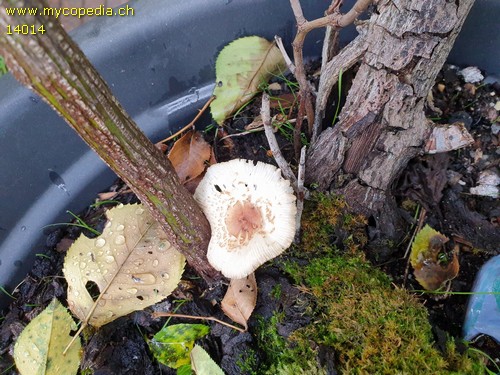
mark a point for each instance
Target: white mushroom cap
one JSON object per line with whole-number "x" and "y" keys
{"x": 251, "y": 210}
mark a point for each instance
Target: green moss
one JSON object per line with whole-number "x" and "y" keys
{"x": 276, "y": 291}
{"x": 280, "y": 354}
{"x": 326, "y": 217}
{"x": 372, "y": 326}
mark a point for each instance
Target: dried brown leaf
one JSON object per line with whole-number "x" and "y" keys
{"x": 190, "y": 156}
{"x": 283, "y": 101}
{"x": 240, "y": 299}
{"x": 131, "y": 263}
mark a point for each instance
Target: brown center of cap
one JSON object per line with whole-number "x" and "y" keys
{"x": 243, "y": 220}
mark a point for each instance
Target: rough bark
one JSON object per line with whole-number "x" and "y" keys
{"x": 382, "y": 125}
{"x": 54, "y": 66}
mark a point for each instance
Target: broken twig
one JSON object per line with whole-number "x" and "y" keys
{"x": 159, "y": 314}
{"x": 191, "y": 124}
{"x": 273, "y": 144}
{"x": 287, "y": 59}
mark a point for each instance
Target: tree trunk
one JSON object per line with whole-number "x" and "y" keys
{"x": 55, "y": 67}
{"x": 383, "y": 125}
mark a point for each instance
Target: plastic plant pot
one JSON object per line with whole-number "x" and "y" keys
{"x": 160, "y": 65}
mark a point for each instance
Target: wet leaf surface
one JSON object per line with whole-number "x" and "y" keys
{"x": 131, "y": 263}
{"x": 39, "y": 348}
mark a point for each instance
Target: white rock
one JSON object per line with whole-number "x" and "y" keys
{"x": 488, "y": 184}
{"x": 472, "y": 74}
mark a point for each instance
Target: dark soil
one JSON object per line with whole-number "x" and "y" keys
{"x": 438, "y": 183}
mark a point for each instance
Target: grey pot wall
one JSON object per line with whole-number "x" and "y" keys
{"x": 160, "y": 65}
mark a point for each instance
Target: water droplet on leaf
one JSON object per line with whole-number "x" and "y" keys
{"x": 100, "y": 242}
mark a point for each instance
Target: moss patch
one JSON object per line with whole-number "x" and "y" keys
{"x": 370, "y": 326}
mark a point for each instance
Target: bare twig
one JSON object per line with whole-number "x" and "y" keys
{"x": 300, "y": 192}
{"x": 419, "y": 226}
{"x": 281, "y": 47}
{"x": 265, "y": 113}
{"x": 331, "y": 40}
{"x": 158, "y": 314}
{"x": 335, "y": 20}
{"x": 191, "y": 124}
{"x": 354, "y": 13}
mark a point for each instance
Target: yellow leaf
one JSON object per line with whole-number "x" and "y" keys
{"x": 240, "y": 299}
{"x": 131, "y": 262}
{"x": 202, "y": 363}
{"x": 432, "y": 265}
{"x": 241, "y": 67}
{"x": 39, "y": 347}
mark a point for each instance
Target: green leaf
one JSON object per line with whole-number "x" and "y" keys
{"x": 202, "y": 363}
{"x": 241, "y": 67}
{"x": 185, "y": 370}
{"x": 172, "y": 345}
{"x": 39, "y": 347}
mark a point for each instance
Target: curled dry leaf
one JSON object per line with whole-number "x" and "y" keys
{"x": 39, "y": 347}
{"x": 190, "y": 156}
{"x": 131, "y": 262}
{"x": 433, "y": 267}
{"x": 241, "y": 67}
{"x": 240, "y": 299}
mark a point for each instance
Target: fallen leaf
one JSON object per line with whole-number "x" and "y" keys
{"x": 190, "y": 156}
{"x": 202, "y": 363}
{"x": 39, "y": 347}
{"x": 256, "y": 124}
{"x": 432, "y": 265}
{"x": 131, "y": 262}
{"x": 283, "y": 101}
{"x": 172, "y": 345}
{"x": 191, "y": 185}
{"x": 240, "y": 299}
{"x": 241, "y": 67}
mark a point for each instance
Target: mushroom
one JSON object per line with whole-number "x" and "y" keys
{"x": 251, "y": 210}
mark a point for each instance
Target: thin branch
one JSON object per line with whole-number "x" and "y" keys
{"x": 265, "y": 113}
{"x": 281, "y": 47}
{"x": 159, "y": 314}
{"x": 301, "y": 192}
{"x": 335, "y": 20}
{"x": 191, "y": 124}
{"x": 354, "y": 13}
{"x": 419, "y": 226}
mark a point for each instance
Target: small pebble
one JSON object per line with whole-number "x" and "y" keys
{"x": 495, "y": 129}
{"x": 471, "y": 74}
